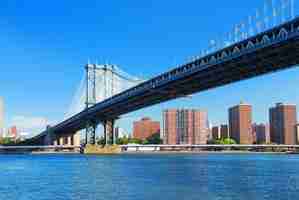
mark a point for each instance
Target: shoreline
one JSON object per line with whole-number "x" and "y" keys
{"x": 205, "y": 152}
{"x": 152, "y": 153}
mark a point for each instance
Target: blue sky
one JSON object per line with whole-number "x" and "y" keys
{"x": 45, "y": 45}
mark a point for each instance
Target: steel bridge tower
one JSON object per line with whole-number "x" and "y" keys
{"x": 108, "y": 75}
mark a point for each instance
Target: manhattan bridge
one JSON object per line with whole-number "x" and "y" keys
{"x": 264, "y": 42}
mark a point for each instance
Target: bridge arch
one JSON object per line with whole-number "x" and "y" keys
{"x": 236, "y": 50}
{"x": 224, "y": 54}
{"x": 283, "y": 33}
{"x": 250, "y": 45}
{"x": 213, "y": 59}
{"x": 265, "y": 39}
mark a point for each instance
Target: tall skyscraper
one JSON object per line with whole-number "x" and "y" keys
{"x": 240, "y": 123}
{"x": 1, "y": 116}
{"x": 185, "y": 126}
{"x": 283, "y": 120}
{"x": 145, "y": 128}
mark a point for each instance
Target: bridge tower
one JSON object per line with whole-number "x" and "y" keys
{"x": 107, "y": 84}
{"x": 91, "y": 125}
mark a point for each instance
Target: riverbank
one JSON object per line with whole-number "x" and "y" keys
{"x": 205, "y": 152}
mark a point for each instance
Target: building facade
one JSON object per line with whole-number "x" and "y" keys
{"x": 185, "y": 126}
{"x": 13, "y": 132}
{"x": 216, "y": 132}
{"x": 297, "y": 132}
{"x": 145, "y": 128}
{"x": 120, "y": 133}
{"x": 261, "y": 133}
{"x": 240, "y": 123}
{"x": 224, "y": 131}
{"x": 283, "y": 120}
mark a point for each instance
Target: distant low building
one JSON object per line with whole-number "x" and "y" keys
{"x": 120, "y": 133}
{"x": 215, "y": 132}
{"x": 224, "y": 131}
{"x": 13, "y": 132}
{"x": 145, "y": 128}
{"x": 261, "y": 133}
{"x": 297, "y": 133}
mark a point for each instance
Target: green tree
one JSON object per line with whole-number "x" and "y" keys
{"x": 228, "y": 141}
{"x": 222, "y": 141}
{"x": 135, "y": 141}
{"x": 122, "y": 141}
{"x": 154, "y": 139}
{"x": 145, "y": 142}
{"x": 7, "y": 141}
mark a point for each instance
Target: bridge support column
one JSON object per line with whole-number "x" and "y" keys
{"x": 49, "y": 138}
{"x": 69, "y": 140}
{"x": 76, "y": 139}
{"x": 90, "y": 132}
{"x": 109, "y": 133}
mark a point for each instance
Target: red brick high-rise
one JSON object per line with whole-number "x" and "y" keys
{"x": 185, "y": 126}
{"x": 240, "y": 123}
{"x": 145, "y": 128}
{"x": 283, "y": 120}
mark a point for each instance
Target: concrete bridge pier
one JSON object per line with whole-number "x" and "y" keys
{"x": 109, "y": 134}
{"x": 72, "y": 139}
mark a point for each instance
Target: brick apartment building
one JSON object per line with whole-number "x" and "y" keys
{"x": 283, "y": 120}
{"x": 240, "y": 123}
{"x": 185, "y": 126}
{"x": 145, "y": 128}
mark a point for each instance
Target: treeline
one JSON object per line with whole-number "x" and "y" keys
{"x": 222, "y": 141}
{"x": 154, "y": 139}
{"x": 8, "y": 141}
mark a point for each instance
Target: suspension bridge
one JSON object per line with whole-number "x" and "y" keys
{"x": 106, "y": 92}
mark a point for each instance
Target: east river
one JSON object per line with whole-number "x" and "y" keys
{"x": 149, "y": 177}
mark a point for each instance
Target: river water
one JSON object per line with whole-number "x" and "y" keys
{"x": 149, "y": 177}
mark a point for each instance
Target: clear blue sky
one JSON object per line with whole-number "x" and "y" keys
{"x": 45, "y": 44}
